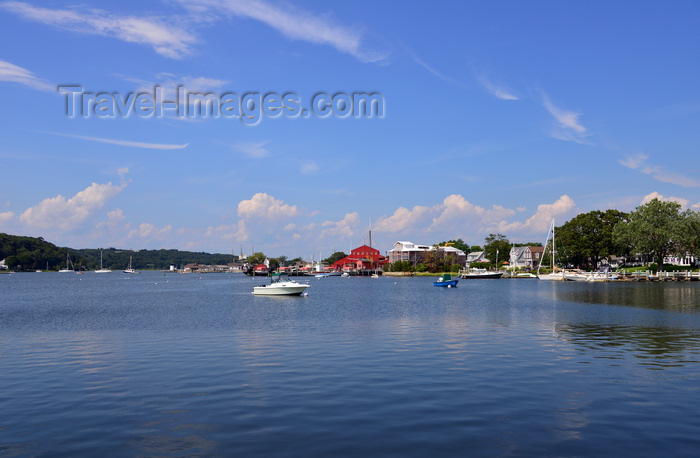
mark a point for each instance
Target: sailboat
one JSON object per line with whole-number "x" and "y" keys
{"x": 69, "y": 265}
{"x": 102, "y": 270}
{"x": 552, "y": 275}
{"x": 130, "y": 270}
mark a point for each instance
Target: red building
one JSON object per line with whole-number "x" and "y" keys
{"x": 361, "y": 258}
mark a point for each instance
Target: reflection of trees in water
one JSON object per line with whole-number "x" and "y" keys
{"x": 677, "y": 297}
{"x": 660, "y": 347}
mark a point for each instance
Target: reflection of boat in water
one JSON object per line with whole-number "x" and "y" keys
{"x": 280, "y": 285}
{"x": 479, "y": 273}
{"x": 446, "y": 280}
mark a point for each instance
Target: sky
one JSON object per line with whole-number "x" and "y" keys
{"x": 478, "y": 117}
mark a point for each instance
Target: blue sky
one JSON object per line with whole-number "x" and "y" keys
{"x": 498, "y": 117}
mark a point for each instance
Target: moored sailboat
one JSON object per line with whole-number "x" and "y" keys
{"x": 557, "y": 276}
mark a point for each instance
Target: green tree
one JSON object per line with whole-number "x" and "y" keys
{"x": 401, "y": 266}
{"x": 274, "y": 264}
{"x": 656, "y": 229}
{"x": 588, "y": 237}
{"x": 337, "y": 256}
{"x": 256, "y": 258}
{"x": 434, "y": 260}
{"x": 496, "y": 243}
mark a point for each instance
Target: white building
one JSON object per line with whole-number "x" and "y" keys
{"x": 476, "y": 256}
{"x": 414, "y": 253}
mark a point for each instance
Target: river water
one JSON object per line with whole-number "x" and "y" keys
{"x": 195, "y": 365}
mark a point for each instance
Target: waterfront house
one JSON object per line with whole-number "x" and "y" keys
{"x": 526, "y": 256}
{"x": 476, "y": 256}
{"x": 408, "y": 251}
{"x": 415, "y": 253}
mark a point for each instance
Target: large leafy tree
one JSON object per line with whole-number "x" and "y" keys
{"x": 256, "y": 258}
{"x": 337, "y": 256}
{"x": 494, "y": 243}
{"x": 659, "y": 229}
{"x": 588, "y": 237}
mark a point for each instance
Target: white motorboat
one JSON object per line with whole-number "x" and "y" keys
{"x": 555, "y": 276}
{"x": 475, "y": 272}
{"x": 280, "y": 286}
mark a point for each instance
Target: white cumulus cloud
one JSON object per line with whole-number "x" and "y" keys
{"x": 655, "y": 195}
{"x": 266, "y": 207}
{"x": 67, "y": 214}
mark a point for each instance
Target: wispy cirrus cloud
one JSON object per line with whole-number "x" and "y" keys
{"x": 294, "y": 23}
{"x": 112, "y": 141}
{"x": 431, "y": 69}
{"x": 568, "y": 126}
{"x": 169, "y": 39}
{"x": 639, "y": 162}
{"x": 498, "y": 91}
{"x": 255, "y": 150}
{"x": 169, "y": 83}
{"x": 15, "y": 74}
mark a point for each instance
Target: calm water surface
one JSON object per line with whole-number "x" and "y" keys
{"x": 174, "y": 365}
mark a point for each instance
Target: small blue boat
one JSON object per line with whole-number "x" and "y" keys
{"x": 446, "y": 280}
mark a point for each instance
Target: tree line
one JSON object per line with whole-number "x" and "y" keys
{"x": 22, "y": 253}
{"x": 654, "y": 231}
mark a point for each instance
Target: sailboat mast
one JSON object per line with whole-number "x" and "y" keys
{"x": 370, "y": 232}
{"x": 553, "y": 250}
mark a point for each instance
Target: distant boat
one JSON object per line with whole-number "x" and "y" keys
{"x": 69, "y": 265}
{"x": 130, "y": 270}
{"x": 556, "y": 276}
{"x": 446, "y": 280}
{"x": 280, "y": 286}
{"x": 479, "y": 273}
{"x": 102, "y": 270}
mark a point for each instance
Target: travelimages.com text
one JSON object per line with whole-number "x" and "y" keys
{"x": 249, "y": 107}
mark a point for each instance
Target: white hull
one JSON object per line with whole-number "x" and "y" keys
{"x": 287, "y": 288}
{"x": 552, "y": 277}
{"x": 102, "y": 271}
{"x": 478, "y": 273}
{"x": 575, "y": 277}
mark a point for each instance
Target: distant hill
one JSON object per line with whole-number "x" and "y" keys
{"x": 32, "y": 253}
